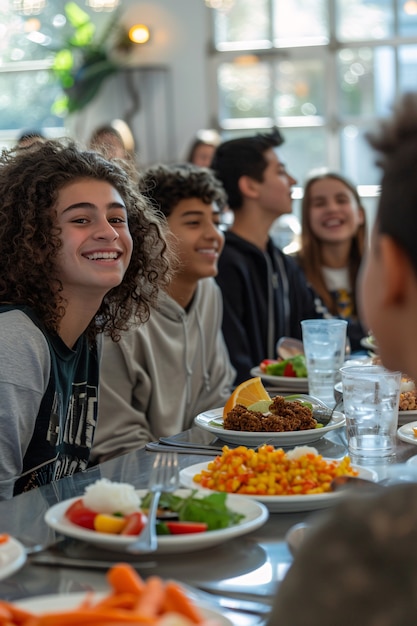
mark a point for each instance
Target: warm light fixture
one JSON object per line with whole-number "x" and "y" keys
{"x": 139, "y": 33}
{"x": 29, "y": 7}
{"x": 410, "y": 7}
{"x": 102, "y": 5}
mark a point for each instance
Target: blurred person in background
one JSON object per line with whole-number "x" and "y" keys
{"x": 333, "y": 242}
{"x": 203, "y": 148}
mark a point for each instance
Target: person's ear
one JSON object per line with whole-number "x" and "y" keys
{"x": 248, "y": 187}
{"x": 396, "y": 268}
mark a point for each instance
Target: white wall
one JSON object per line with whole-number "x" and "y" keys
{"x": 174, "y": 98}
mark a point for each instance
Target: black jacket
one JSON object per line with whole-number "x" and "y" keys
{"x": 265, "y": 297}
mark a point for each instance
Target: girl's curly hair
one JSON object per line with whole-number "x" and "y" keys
{"x": 30, "y": 180}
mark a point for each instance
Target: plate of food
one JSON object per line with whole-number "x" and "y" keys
{"x": 221, "y": 473}
{"x": 12, "y": 555}
{"x": 235, "y": 517}
{"x": 169, "y": 603}
{"x": 281, "y": 382}
{"x": 212, "y": 421}
{"x": 408, "y": 433}
{"x": 369, "y": 343}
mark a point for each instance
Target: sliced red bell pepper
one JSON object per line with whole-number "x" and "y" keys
{"x": 183, "y": 528}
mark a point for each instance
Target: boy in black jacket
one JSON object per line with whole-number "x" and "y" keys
{"x": 264, "y": 292}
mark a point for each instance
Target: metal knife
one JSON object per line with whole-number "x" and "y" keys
{"x": 155, "y": 446}
{"x": 68, "y": 561}
{"x": 189, "y": 444}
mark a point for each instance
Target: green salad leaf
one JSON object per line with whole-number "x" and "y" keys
{"x": 297, "y": 362}
{"x": 211, "y": 509}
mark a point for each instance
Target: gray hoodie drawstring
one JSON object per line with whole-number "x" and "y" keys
{"x": 206, "y": 376}
{"x": 187, "y": 367}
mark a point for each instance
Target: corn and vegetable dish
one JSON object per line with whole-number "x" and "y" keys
{"x": 272, "y": 472}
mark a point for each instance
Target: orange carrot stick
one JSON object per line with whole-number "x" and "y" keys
{"x": 93, "y": 617}
{"x": 125, "y": 601}
{"x": 123, "y": 578}
{"x": 177, "y": 601}
{"x": 151, "y": 601}
{"x": 9, "y": 613}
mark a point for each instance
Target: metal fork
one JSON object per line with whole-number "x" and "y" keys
{"x": 164, "y": 477}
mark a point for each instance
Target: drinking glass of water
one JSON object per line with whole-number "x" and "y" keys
{"x": 371, "y": 396}
{"x": 324, "y": 347}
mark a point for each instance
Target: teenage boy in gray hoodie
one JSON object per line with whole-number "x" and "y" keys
{"x": 165, "y": 372}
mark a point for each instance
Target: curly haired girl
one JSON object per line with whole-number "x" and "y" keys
{"x": 82, "y": 253}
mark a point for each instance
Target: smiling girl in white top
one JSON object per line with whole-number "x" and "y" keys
{"x": 332, "y": 245}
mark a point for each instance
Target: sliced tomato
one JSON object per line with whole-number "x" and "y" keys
{"x": 79, "y": 514}
{"x": 183, "y": 528}
{"x": 290, "y": 371}
{"x": 263, "y": 365}
{"x": 135, "y": 523}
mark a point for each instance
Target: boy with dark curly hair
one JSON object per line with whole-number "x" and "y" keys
{"x": 82, "y": 254}
{"x": 164, "y": 373}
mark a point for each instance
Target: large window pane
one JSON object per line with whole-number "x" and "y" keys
{"x": 303, "y": 151}
{"x": 358, "y": 20}
{"x": 245, "y": 25}
{"x": 357, "y": 158}
{"x": 407, "y": 57}
{"x": 300, "y": 22}
{"x": 300, "y": 88}
{"x": 245, "y": 89}
{"x": 26, "y": 99}
{"x": 367, "y": 80}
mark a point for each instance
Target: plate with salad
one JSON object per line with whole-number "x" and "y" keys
{"x": 188, "y": 520}
{"x": 284, "y": 373}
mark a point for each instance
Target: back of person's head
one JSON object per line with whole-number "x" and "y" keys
{"x": 244, "y": 156}
{"x": 108, "y": 141}
{"x": 396, "y": 143}
{"x": 359, "y": 567}
{"x": 29, "y": 137}
{"x": 202, "y": 148}
{"x": 167, "y": 185}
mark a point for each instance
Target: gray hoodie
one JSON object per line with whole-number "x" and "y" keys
{"x": 160, "y": 375}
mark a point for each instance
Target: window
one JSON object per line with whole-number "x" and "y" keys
{"x": 28, "y": 87}
{"x": 322, "y": 70}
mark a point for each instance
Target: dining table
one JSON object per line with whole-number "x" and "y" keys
{"x": 247, "y": 567}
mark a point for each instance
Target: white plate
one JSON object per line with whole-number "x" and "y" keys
{"x": 212, "y": 421}
{"x": 412, "y": 461}
{"x": 405, "y": 432}
{"x": 282, "y": 382}
{"x": 12, "y": 557}
{"x": 67, "y": 601}
{"x": 255, "y": 516}
{"x": 368, "y": 344}
{"x": 287, "y": 504}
